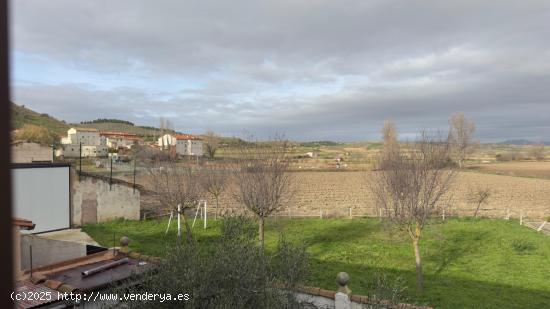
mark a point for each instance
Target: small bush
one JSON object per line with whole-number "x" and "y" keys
{"x": 385, "y": 289}
{"x": 523, "y": 246}
{"x": 509, "y": 156}
{"x": 232, "y": 271}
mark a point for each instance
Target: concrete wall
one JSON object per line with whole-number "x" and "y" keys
{"x": 314, "y": 301}
{"x": 30, "y": 152}
{"x": 48, "y": 251}
{"x": 94, "y": 201}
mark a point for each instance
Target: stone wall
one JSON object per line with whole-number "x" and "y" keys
{"x": 94, "y": 200}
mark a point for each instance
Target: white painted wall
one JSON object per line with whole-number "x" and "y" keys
{"x": 41, "y": 194}
{"x": 166, "y": 140}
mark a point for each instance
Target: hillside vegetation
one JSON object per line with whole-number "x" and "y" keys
{"x": 22, "y": 116}
{"x": 123, "y": 127}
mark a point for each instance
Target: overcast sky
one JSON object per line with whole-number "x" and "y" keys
{"x": 313, "y": 70}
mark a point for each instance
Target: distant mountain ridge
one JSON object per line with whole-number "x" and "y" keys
{"x": 522, "y": 142}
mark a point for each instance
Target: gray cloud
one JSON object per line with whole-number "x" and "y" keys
{"x": 312, "y": 69}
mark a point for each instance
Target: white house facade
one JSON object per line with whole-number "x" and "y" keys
{"x": 185, "y": 144}
{"x": 166, "y": 141}
{"x": 120, "y": 139}
{"x": 93, "y": 145}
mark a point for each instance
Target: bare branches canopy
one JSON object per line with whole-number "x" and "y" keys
{"x": 211, "y": 143}
{"x": 411, "y": 187}
{"x": 391, "y": 146}
{"x": 214, "y": 181}
{"x": 176, "y": 185}
{"x": 461, "y": 137}
{"x": 263, "y": 180}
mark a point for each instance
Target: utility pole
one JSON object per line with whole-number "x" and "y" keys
{"x": 111, "y": 174}
{"x": 80, "y": 156}
{"x": 134, "y": 175}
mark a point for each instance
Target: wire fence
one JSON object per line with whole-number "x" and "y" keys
{"x": 523, "y": 216}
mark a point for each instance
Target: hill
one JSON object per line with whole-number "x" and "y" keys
{"x": 23, "y": 116}
{"x": 522, "y": 142}
{"x": 144, "y": 131}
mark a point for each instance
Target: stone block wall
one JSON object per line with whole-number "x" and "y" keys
{"x": 95, "y": 201}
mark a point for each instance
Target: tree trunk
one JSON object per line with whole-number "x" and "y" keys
{"x": 261, "y": 231}
{"x": 418, "y": 261}
{"x": 188, "y": 234}
{"x": 217, "y": 209}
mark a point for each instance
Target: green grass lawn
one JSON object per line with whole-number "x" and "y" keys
{"x": 467, "y": 263}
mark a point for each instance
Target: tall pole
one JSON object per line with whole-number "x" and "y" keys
{"x": 80, "y": 156}
{"x": 205, "y": 214}
{"x": 111, "y": 174}
{"x": 53, "y": 152}
{"x": 134, "y": 176}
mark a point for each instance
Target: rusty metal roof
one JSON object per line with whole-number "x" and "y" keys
{"x": 67, "y": 275}
{"x": 73, "y": 276}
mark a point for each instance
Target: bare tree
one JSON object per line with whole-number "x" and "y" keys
{"x": 389, "y": 137}
{"x": 537, "y": 151}
{"x": 176, "y": 185}
{"x": 215, "y": 180}
{"x": 411, "y": 187}
{"x": 211, "y": 143}
{"x": 478, "y": 197}
{"x": 165, "y": 125}
{"x": 461, "y": 137}
{"x": 263, "y": 182}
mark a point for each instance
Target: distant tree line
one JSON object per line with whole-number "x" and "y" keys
{"x": 107, "y": 120}
{"x": 319, "y": 143}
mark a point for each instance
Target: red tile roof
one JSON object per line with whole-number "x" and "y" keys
{"x": 119, "y": 134}
{"x": 187, "y": 137}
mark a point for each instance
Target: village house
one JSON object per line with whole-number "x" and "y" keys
{"x": 118, "y": 140}
{"x": 89, "y": 139}
{"x": 185, "y": 144}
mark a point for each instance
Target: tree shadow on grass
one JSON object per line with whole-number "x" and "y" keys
{"x": 453, "y": 246}
{"x": 348, "y": 231}
{"x": 440, "y": 291}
